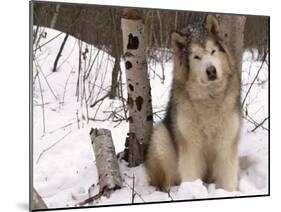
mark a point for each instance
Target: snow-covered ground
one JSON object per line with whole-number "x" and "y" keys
{"x": 63, "y": 159}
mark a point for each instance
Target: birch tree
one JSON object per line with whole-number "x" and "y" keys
{"x": 139, "y": 96}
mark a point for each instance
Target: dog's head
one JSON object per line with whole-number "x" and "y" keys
{"x": 202, "y": 60}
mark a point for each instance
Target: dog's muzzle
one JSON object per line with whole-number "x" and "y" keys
{"x": 211, "y": 73}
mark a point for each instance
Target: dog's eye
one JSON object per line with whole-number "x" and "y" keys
{"x": 197, "y": 57}
{"x": 213, "y": 51}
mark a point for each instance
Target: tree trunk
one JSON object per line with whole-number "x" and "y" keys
{"x": 59, "y": 53}
{"x": 106, "y": 160}
{"x": 233, "y": 28}
{"x": 38, "y": 202}
{"x": 116, "y": 52}
{"x": 139, "y": 96}
{"x": 55, "y": 17}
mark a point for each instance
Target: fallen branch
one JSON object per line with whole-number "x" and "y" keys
{"x": 47, "y": 149}
{"x": 90, "y": 200}
{"x": 38, "y": 202}
{"x": 107, "y": 164}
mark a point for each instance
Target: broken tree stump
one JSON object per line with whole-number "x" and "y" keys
{"x": 106, "y": 161}
{"x": 37, "y": 201}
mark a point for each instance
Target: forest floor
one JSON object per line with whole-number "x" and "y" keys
{"x": 63, "y": 158}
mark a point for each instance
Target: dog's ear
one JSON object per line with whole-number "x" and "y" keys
{"x": 178, "y": 40}
{"x": 212, "y": 25}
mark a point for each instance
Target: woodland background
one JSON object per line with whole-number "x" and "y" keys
{"x": 94, "y": 34}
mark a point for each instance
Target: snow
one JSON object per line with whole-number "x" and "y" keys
{"x": 63, "y": 160}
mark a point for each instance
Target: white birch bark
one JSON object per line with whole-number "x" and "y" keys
{"x": 138, "y": 86}
{"x": 106, "y": 161}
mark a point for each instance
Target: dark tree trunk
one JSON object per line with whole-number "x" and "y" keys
{"x": 116, "y": 52}
{"x": 233, "y": 28}
{"x": 59, "y": 53}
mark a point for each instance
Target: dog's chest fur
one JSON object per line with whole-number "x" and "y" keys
{"x": 204, "y": 122}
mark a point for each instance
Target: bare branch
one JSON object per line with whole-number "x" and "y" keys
{"x": 255, "y": 78}
{"x": 47, "y": 149}
{"x": 260, "y": 124}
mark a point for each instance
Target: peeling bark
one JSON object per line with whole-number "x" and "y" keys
{"x": 139, "y": 98}
{"x": 106, "y": 160}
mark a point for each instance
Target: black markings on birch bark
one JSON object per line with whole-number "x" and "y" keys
{"x": 138, "y": 86}
{"x": 130, "y": 102}
{"x": 128, "y": 65}
{"x": 139, "y": 102}
{"x": 133, "y": 42}
{"x": 149, "y": 118}
{"x": 131, "y": 87}
{"x": 130, "y": 119}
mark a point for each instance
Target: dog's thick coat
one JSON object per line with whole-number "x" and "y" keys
{"x": 199, "y": 136}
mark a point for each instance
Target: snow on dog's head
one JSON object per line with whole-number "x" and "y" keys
{"x": 202, "y": 61}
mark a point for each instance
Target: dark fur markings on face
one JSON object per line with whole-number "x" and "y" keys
{"x": 221, "y": 49}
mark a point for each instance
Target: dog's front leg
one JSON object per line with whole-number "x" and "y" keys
{"x": 191, "y": 163}
{"x": 226, "y": 168}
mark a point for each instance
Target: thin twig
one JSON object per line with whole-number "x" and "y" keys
{"x": 260, "y": 124}
{"x": 134, "y": 191}
{"x": 79, "y": 71}
{"x": 91, "y": 199}
{"x": 169, "y": 195}
{"x": 257, "y": 74}
{"x": 62, "y": 127}
{"x": 38, "y": 67}
{"x": 99, "y": 100}
{"x": 39, "y": 47}
{"x": 64, "y": 89}
{"x": 43, "y": 107}
{"x": 77, "y": 117}
{"x": 252, "y": 121}
{"x": 54, "y": 144}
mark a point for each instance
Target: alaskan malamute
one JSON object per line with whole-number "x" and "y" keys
{"x": 199, "y": 136}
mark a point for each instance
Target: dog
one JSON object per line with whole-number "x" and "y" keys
{"x": 198, "y": 138}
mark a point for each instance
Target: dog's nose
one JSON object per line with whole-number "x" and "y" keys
{"x": 211, "y": 73}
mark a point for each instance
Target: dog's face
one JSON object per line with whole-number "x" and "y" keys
{"x": 202, "y": 61}
{"x": 205, "y": 62}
